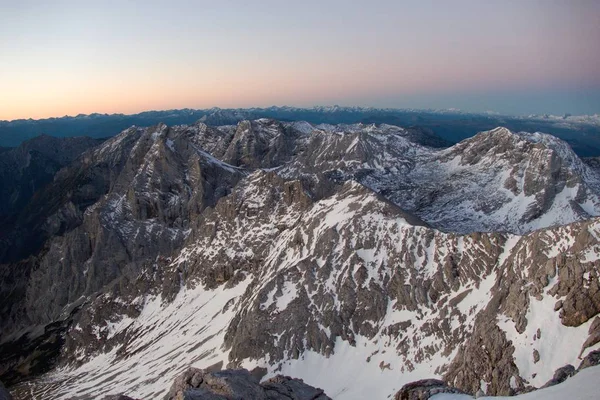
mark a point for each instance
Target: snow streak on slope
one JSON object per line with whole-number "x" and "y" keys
{"x": 495, "y": 181}
{"x": 557, "y": 345}
{"x": 499, "y": 180}
{"x": 349, "y": 281}
{"x": 168, "y": 338}
{"x": 344, "y": 284}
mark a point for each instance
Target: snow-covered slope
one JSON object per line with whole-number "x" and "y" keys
{"x": 496, "y": 181}
{"x": 583, "y": 386}
{"x": 304, "y": 250}
{"x": 348, "y": 283}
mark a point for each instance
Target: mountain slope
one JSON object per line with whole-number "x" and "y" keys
{"x": 117, "y": 208}
{"x": 303, "y": 249}
{"x": 501, "y": 181}
{"x": 495, "y": 181}
{"x": 32, "y": 165}
{"x": 348, "y": 283}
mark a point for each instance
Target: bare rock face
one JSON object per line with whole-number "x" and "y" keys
{"x": 536, "y": 356}
{"x": 424, "y": 389}
{"x": 118, "y": 208}
{"x": 561, "y": 375}
{"x": 190, "y": 379}
{"x": 592, "y": 359}
{"x": 263, "y": 143}
{"x": 486, "y": 356}
{"x": 284, "y": 387}
{"x": 195, "y": 384}
{"x": 338, "y": 269}
{"x": 24, "y": 171}
{"x": 29, "y": 167}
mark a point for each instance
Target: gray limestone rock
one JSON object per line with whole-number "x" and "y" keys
{"x": 190, "y": 379}
{"x": 592, "y": 359}
{"x": 424, "y": 389}
{"x": 536, "y": 356}
{"x": 561, "y": 375}
{"x": 239, "y": 384}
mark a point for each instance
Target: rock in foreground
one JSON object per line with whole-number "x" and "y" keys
{"x": 196, "y": 384}
{"x": 424, "y": 389}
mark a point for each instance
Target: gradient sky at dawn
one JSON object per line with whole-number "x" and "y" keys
{"x": 510, "y": 56}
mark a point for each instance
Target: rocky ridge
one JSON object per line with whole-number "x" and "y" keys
{"x": 25, "y": 170}
{"x": 283, "y": 245}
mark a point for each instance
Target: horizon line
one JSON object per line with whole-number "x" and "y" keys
{"x": 317, "y": 106}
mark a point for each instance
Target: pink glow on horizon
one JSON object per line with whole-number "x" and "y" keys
{"x": 84, "y": 58}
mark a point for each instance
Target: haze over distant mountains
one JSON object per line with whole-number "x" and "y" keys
{"x": 581, "y": 132}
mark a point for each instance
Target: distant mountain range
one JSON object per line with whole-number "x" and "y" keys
{"x": 581, "y": 132}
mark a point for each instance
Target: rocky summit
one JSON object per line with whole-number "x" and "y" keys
{"x": 353, "y": 258}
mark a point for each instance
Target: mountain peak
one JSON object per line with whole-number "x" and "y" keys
{"x": 500, "y": 130}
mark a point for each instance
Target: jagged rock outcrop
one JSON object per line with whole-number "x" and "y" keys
{"x": 350, "y": 270}
{"x": 117, "y": 209}
{"x": 553, "y": 267}
{"x": 29, "y": 167}
{"x": 424, "y": 390}
{"x": 195, "y": 384}
{"x": 488, "y": 356}
{"x": 496, "y": 181}
{"x": 560, "y": 375}
{"x": 591, "y": 360}
{"x": 24, "y": 171}
{"x": 501, "y": 181}
{"x": 264, "y": 143}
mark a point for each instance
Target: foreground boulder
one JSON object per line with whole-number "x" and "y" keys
{"x": 424, "y": 389}
{"x": 197, "y": 384}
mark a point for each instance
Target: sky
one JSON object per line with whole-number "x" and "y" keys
{"x": 510, "y": 56}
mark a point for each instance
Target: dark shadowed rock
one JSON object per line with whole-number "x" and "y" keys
{"x": 560, "y": 375}
{"x": 192, "y": 378}
{"x": 284, "y": 387}
{"x": 536, "y": 356}
{"x": 233, "y": 384}
{"x": 29, "y": 167}
{"x": 195, "y": 384}
{"x": 200, "y": 394}
{"x": 424, "y": 389}
{"x": 590, "y": 360}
